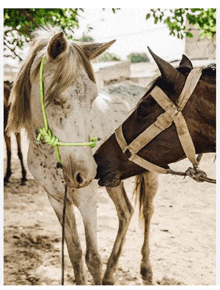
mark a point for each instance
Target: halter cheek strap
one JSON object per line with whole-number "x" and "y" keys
{"x": 49, "y": 138}
{"x": 171, "y": 115}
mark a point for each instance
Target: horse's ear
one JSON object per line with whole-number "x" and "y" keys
{"x": 92, "y": 50}
{"x": 185, "y": 62}
{"x": 168, "y": 72}
{"x": 57, "y": 45}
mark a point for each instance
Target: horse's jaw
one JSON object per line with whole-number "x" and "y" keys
{"x": 109, "y": 179}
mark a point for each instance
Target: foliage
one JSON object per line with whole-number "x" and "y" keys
{"x": 107, "y": 56}
{"x": 19, "y": 23}
{"x": 205, "y": 19}
{"x": 138, "y": 57}
{"x": 86, "y": 39}
{"x": 113, "y": 9}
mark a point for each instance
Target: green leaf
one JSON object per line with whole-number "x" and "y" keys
{"x": 156, "y": 20}
{"x": 189, "y": 35}
{"x": 148, "y": 16}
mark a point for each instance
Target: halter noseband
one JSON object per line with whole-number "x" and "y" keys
{"x": 171, "y": 115}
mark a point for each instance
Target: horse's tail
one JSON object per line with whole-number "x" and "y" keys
{"x": 146, "y": 185}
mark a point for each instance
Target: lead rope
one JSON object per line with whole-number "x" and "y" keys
{"x": 63, "y": 235}
{"x": 195, "y": 173}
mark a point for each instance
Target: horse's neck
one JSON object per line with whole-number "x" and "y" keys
{"x": 112, "y": 106}
{"x": 206, "y": 127}
{"x": 206, "y": 139}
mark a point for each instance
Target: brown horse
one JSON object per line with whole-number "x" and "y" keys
{"x": 199, "y": 114}
{"x": 7, "y": 90}
{"x": 113, "y": 155}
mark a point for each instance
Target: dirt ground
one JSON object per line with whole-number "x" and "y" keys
{"x": 182, "y": 241}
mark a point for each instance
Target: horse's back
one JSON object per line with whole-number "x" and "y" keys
{"x": 112, "y": 106}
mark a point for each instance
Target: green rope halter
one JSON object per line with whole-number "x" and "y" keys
{"x": 49, "y": 138}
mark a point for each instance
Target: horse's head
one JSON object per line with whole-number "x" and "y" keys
{"x": 70, "y": 89}
{"x": 165, "y": 148}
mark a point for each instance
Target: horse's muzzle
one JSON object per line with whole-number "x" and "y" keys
{"x": 109, "y": 179}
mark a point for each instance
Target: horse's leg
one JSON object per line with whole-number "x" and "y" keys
{"x": 149, "y": 186}
{"x": 18, "y": 139}
{"x": 71, "y": 237}
{"x": 85, "y": 201}
{"x": 125, "y": 212}
{"x": 8, "y": 148}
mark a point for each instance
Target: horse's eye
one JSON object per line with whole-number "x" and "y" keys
{"x": 146, "y": 107}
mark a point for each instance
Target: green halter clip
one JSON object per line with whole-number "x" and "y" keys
{"x": 49, "y": 138}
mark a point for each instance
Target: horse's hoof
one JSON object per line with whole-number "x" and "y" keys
{"x": 108, "y": 281}
{"x": 147, "y": 276}
{"x": 23, "y": 182}
{"x": 147, "y": 281}
{"x": 105, "y": 282}
{"x": 6, "y": 180}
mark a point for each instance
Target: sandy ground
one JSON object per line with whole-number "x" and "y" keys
{"x": 183, "y": 233}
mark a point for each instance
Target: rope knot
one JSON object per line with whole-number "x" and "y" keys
{"x": 196, "y": 174}
{"x": 94, "y": 140}
{"x": 49, "y": 138}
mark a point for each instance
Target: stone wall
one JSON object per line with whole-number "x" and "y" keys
{"x": 197, "y": 48}
{"x": 107, "y": 72}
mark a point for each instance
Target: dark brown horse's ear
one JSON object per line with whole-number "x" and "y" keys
{"x": 168, "y": 72}
{"x": 57, "y": 45}
{"x": 185, "y": 62}
{"x": 92, "y": 50}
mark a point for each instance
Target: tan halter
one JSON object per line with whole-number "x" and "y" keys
{"x": 172, "y": 114}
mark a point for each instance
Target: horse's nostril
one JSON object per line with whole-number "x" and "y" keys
{"x": 79, "y": 178}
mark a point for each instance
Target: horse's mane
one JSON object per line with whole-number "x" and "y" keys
{"x": 65, "y": 74}
{"x": 210, "y": 71}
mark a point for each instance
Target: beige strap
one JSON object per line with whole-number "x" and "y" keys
{"x": 163, "y": 121}
{"x": 162, "y": 99}
{"x": 150, "y": 133}
{"x": 185, "y": 138}
{"x": 148, "y": 165}
{"x": 172, "y": 114}
{"x": 135, "y": 158}
{"x": 189, "y": 87}
{"x": 120, "y": 139}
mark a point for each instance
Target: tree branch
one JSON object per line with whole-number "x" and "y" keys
{"x": 13, "y": 51}
{"x": 29, "y": 17}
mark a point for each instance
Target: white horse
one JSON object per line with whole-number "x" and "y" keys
{"x": 75, "y": 111}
